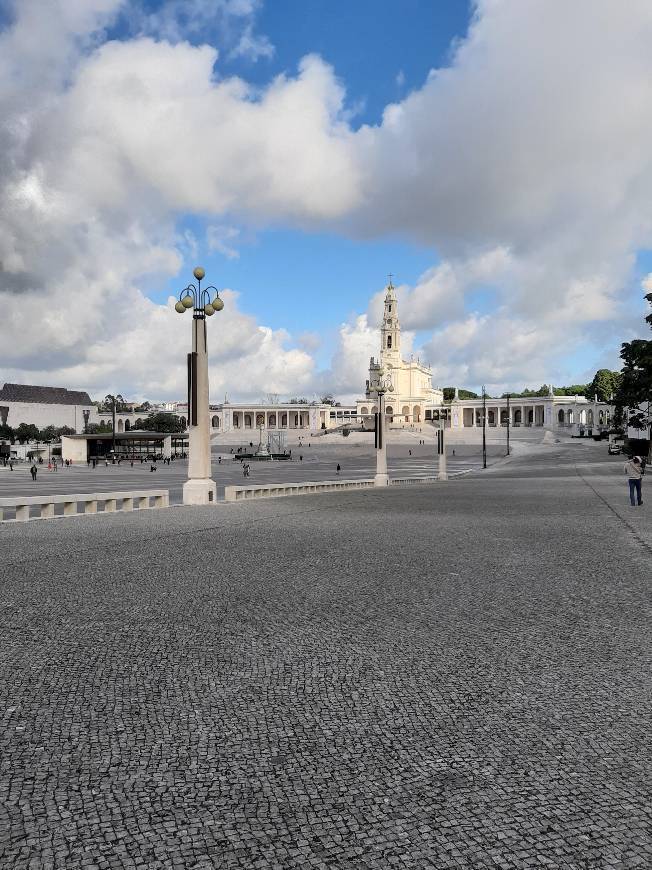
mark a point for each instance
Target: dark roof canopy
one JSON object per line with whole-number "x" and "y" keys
{"x": 43, "y": 395}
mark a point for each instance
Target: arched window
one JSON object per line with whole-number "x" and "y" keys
{"x": 215, "y": 422}
{"x": 247, "y": 421}
{"x": 560, "y": 416}
{"x": 127, "y": 425}
{"x": 121, "y": 426}
{"x": 416, "y": 413}
{"x": 364, "y": 410}
{"x": 272, "y": 421}
{"x": 389, "y": 342}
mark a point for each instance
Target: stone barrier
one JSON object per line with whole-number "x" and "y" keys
{"x": 274, "y": 490}
{"x": 140, "y": 498}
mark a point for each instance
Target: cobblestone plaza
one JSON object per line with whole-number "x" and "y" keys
{"x": 454, "y": 675}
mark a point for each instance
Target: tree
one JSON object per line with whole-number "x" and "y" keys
{"x": 27, "y": 432}
{"x": 449, "y": 394}
{"x": 120, "y": 403}
{"x": 299, "y": 401}
{"x": 634, "y": 391}
{"x": 604, "y": 385}
{"x": 162, "y": 422}
{"x": 98, "y": 428}
{"x": 49, "y": 433}
{"x": 328, "y": 399}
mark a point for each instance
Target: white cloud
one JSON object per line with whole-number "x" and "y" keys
{"x": 90, "y": 189}
{"x": 221, "y": 238}
{"x": 527, "y": 165}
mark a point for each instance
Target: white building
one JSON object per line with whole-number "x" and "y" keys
{"x": 45, "y": 406}
{"x": 411, "y": 381}
{"x": 415, "y": 402}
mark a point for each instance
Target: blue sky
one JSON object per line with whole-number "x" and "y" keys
{"x": 381, "y": 50}
{"x": 301, "y": 150}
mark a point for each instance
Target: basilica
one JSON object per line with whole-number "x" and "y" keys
{"x": 411, "y": 403}
{"x": 411, "y": 392}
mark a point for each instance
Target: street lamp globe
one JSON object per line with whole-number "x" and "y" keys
{"x": 180, "y": 307}
{"x": 187, "y": 301}
{"x": 198, "y": 272}
{"x": 209, "y": 310}
{"x": 217, "y": 304}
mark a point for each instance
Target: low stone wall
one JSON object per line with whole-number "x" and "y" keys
{"x": 136, "y": 499}
{"x": 272, "y": 490}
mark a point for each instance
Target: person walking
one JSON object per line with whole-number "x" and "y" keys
{"x": 33, "y": 470}
{"x": 338, "y": 468}
{"x": 634, "y": 471}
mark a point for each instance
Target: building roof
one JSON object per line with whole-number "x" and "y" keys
{"x": 43, "y": 395}
{"x": 131, "y": 435}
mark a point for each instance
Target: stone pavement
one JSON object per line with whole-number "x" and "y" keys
{"x": 319, "y": 463}
{"x": 452, "y": 676}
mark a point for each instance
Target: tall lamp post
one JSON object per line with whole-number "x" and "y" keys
{"x": 199, "y": 488}
{"x": 383, "y": 386}
{"x": 484, "y": 427}
{"x": 508, "y": 422}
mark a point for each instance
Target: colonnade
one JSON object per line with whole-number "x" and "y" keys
{"x": 281, "y": 419}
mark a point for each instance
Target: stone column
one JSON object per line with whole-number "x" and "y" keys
{"x": 199, "y": 488}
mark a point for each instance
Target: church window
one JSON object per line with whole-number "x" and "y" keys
{"x": 389, "y": 309}
{"x": 389, "y": 342}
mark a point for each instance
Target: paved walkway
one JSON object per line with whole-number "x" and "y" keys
{"x": 318, "y": 463}
{"x": 425, "y": 677}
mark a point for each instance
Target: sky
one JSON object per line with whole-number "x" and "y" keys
{"x": 495, "y": 157}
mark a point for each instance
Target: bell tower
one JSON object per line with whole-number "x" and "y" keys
{"x": 390, "y": 332}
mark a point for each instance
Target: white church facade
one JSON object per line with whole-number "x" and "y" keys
{"x": 414, "y": 401}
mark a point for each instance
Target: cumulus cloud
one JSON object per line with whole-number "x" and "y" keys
{"x": 526, "y": 164}
{"x": 97, "y": 162}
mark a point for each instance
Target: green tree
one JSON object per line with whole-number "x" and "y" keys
{"x": 449, "y": 394}
{"x": 161, "y": 422}
{"x": 634, "y": 391}
{"x": 604, "y": 385}
{"x": 100, "y": 428}
{"x": 120, "y": 403}
{"x": 301, "y": 401}
{"x": 49, "y": 433}
{"x": 27, "y": 432}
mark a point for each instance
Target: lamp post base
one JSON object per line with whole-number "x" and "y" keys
{"x": 381, "y": 480}
{"x": 201, "y": 490}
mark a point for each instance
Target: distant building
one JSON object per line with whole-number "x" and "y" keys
{"x": 45, "y": 406}
{"x": 411, "y": 381}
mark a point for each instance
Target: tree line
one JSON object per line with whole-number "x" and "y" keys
{"x": 605, "y": 385}
{"x": 26, "y": 432}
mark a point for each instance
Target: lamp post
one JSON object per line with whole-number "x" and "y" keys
{"x": 508, "y": 421}
{"x": 484, "y": 427}
{"x": 199, "y": 488}
{"x": 383, "y": 386}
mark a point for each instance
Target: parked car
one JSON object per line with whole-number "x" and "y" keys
{"x": 615, "y": 449}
